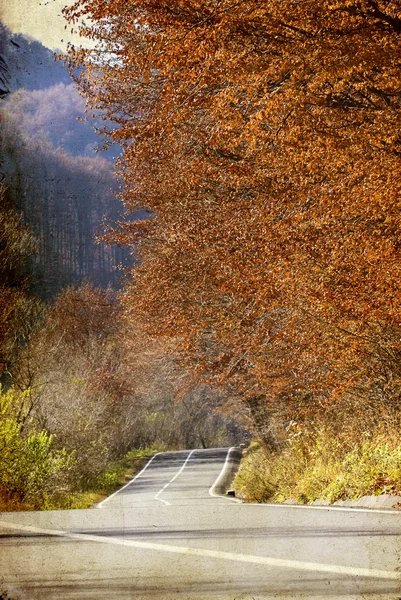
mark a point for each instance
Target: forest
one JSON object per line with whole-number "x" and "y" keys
{"x": 81, "y": 384}
{"x": 263, "y": 142}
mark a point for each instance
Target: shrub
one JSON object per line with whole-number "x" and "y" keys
{"x": 321, "y": 467}
{"x": 29, "y": 467}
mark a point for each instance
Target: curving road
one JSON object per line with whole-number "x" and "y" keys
{"x": 169, "y": 535}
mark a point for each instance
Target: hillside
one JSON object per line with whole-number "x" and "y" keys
{"x": 51, "y": 169}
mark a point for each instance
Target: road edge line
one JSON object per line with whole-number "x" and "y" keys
{"x": 99, "y": 505}
{"x": 221, "y": 476}
{"x": 330, "y": 507}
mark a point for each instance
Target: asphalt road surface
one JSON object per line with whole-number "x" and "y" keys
{"x": 168, "y": 535}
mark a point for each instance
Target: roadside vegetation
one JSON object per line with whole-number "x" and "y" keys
{"x": 50, "y": 496}
{"x": 116, "y": 475}
{"x": 261, "y": 141}
{"x": 85, "y": 394}
{"x": 321, "y": 468}
{"x": 268, "y": 154}
{"x": 89, "y": 398}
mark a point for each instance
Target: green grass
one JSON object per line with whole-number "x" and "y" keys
{"x": 321, "y": 468}
{"x": 114, "y": 477}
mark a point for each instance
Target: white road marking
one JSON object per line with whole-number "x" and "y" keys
{"x": 213, "y": 494}
{"x": 329, "y": 507}
{"x": 173, "y": 479}
{"x": 215, "y": 554}
{"x": 129, "y": 483}
{"x": 212, "y": 491}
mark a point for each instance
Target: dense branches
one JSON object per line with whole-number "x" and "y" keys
{"x": 18, "y": 310}
{"x": 264, "y": 138}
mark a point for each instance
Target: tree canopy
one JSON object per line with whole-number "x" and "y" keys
{"x": 264, "y": 139}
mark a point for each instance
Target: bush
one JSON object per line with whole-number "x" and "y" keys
{"x": 29, "y": 467}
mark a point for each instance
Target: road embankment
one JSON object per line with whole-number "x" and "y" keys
{"x": 326, "y": 474}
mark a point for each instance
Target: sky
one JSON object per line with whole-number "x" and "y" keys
{"x": 41, "y": 19}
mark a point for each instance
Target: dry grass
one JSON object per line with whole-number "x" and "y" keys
{"x": 322, "y": 467}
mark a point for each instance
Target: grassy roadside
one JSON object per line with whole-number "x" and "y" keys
{"x": 115, "y": 476}
{"x": 321, "y": 467}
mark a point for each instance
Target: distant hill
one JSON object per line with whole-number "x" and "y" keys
{"x": 52, "y": 172}
{"x": 49, "y": 105}
{"x": 26, "y": 63}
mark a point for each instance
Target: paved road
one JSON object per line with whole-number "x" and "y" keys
{"x": 168, "y": 536}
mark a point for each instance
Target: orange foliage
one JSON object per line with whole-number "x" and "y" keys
{"x": 265, "y": 140}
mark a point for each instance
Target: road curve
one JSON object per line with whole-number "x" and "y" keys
{"x": 168, "y": 535}
{"x": 177, "y": 478}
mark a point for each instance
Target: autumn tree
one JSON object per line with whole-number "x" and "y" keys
{"x": 94, "y": 380}
{"x": 264, "y": 140}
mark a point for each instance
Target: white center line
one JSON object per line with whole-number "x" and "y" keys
{"x": 157, "y": 496}
{"x": 215, "y": 554}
